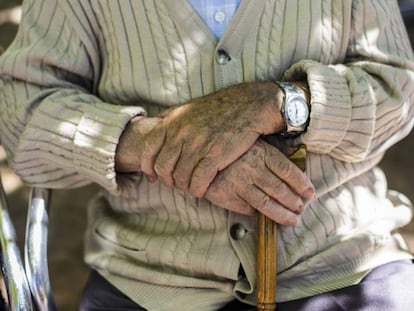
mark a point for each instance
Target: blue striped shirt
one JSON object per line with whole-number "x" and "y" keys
{"x": 215, "y": 13}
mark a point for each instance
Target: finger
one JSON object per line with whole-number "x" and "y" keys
{"x": 152, "y": 145}
{"x": 219, "y": 156}
{"x": 287, "y": 171}
{"x": 202, "y": 175}
{"x": 220, "y": 194}
{"x": 237, "y": 205}
{"x": 165, "y": 163}
{"x": 183, "y": 171}
{"x": 269, "y": 207}
{"x": 278, "y": 190}
{"x": 192, "y": 153}
{"x": 207, "y": 168}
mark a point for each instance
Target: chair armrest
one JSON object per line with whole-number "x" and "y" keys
{"x": 35, "y": 249}
{"x": 17, "y": 287}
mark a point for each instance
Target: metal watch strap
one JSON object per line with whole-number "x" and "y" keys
{"x": 290, "y": 91}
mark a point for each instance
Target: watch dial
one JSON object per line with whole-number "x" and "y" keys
{"x": 297, "y": 112}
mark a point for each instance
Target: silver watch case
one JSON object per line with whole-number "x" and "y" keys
{"x": 294, "y": 110}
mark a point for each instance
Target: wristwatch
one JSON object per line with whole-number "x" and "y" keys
{"x": 295, "y": 109}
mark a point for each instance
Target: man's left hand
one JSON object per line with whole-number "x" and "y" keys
{"x": 262, "y": 179}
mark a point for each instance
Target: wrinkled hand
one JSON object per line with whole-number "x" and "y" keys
{"x": 265, "y": 180}
{"x": 200, "y": 138}
{"x": 131, "y": 144}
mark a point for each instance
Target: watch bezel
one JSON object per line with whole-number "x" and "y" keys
{"x": 293, "y": 94}
{"x": 296, "y": 100}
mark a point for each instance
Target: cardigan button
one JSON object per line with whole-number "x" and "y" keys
{"x": 222, "y": 57}
{"x": 238, "y": 231}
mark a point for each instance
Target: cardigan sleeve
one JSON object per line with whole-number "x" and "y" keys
{"x": 57, "y": 133}
{"x": 363, "y": 106}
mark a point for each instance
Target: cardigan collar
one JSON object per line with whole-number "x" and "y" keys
{"x": 237, "y": 30}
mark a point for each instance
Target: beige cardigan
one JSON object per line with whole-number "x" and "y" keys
{"x": 79, "y": 70}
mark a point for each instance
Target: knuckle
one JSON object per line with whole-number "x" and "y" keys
{"x": 263, "y": 204}
{"x": 252, "y": 153}
{"x": 285, "y": 168}
{"x": 280, "y": 189}
{"x": 162, "y": 170}
{"x": 201, "y": 178}
{"x": 180, "y": 180}
{"x": 284, "y": 195}
{"x": 198, "y": 190}
{"x": 205, "y": 164}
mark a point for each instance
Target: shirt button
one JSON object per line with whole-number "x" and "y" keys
{"x": 238, "y": 231}
{"x": 220, "y": 16}
{"x": 222, "y": 57}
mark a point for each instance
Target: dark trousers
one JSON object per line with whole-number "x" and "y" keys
{"x": 386, "y": 288}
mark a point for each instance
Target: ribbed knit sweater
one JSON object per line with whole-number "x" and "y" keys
{"x": 78, "y": 71}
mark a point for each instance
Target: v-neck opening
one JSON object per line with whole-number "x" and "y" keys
{"x": 216, "y": 14}
{"x": 183, "y": 12}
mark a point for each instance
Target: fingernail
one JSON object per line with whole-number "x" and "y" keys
{"x": 309, "y": 193}
{"x": 300, "y": 209}
{"x": 151, "y": 178}
{"x": 293, "y": 221}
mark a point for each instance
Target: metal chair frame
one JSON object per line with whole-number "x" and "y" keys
{"x": 28, "y": 286}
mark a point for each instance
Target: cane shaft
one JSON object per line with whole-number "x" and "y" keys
{"x": 267, "y": 249}
{"x": 266, "y": 263}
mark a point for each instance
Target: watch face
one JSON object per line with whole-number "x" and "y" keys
{"x": 296, "y": 111}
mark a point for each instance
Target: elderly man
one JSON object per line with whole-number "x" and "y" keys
{"x": 168, "y": 105}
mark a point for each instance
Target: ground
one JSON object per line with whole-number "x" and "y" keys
{"x": 67, "y": 217}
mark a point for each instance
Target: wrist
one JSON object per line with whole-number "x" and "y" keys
{"x": 123, "y": 154}
{"x": 276, "y": 98}
{"x": 131, "y": 144}
{"x": 295, "y": 107}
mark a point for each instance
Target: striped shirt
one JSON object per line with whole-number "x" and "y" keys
{"x": 215, "y": 13}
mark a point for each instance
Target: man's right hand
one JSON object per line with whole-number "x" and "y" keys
{"x": 263, "y": 179}
{"x": 196, "y": 140}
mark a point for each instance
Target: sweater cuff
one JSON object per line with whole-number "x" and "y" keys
{"x": 96, "y": 140}
{"x": 330, "y": 104}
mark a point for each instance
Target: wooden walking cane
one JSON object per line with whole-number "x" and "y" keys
{"x": 267, "y": 248}
{"x": 266, "y": 263}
